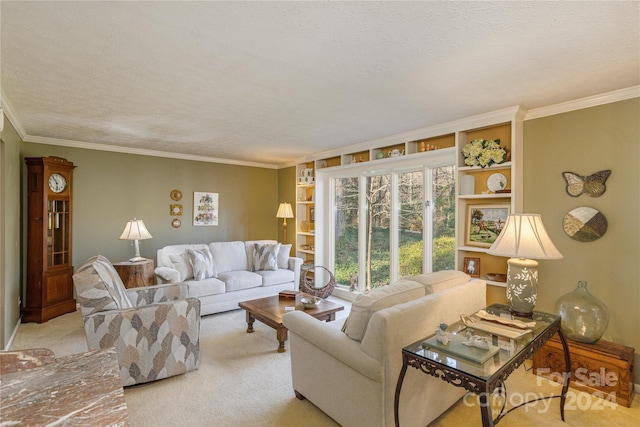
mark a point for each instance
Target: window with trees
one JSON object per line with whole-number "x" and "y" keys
{"x": 392, "y": 223}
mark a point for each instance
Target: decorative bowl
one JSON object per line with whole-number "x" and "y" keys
{"x": 310, "y": 302}
{"x": 497, "y": 277}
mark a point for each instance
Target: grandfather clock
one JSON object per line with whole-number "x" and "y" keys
{"x": 49, "y": 269}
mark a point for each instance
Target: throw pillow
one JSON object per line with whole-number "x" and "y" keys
{"x": 366, "y": 304}
{"x": 283, "y": 256}
{"x": 168, "y": 274}
{"x": 181, "y": 263}
{"x": 265, "y": 257}
{"x": 202, "y": 263}
{"x": 438, "y": 281}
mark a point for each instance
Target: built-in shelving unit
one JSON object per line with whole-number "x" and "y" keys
{"x": 505, "y": 125}
{"x": 509, "y": 133}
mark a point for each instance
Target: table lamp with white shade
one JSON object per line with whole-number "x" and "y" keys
{"x": 523, "y": 239}
{"x": 136, "y": 230}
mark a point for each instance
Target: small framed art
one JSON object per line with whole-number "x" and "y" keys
{"x": 484, "y": 223}
{"x": 472, "y": 266}
{"x": 205, "y": 208}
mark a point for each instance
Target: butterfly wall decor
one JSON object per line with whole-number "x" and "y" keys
{"x": 593, "y": 185}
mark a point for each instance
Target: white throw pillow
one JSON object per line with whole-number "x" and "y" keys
{"x": 376, "y": 299}
{"x": 181, "y": 263}
{"x": 438, "y": 281}
{"x": 283, "y": 256}
{"x": 202, "y": 263}
{"x": 265, "y": 257}
{"x": 168, "y": 274}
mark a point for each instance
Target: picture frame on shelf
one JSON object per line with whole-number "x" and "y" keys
{"x": 472, "y": 266}
{"x": 484, "y": 223}
{"x": 312, "y": 214}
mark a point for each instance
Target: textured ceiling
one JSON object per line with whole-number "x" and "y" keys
{"x": 271, "y": 82}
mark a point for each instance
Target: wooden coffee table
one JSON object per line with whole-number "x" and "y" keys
{"x": 269, "y": 311}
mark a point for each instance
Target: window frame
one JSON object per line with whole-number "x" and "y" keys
{"x": 325, "y": 209}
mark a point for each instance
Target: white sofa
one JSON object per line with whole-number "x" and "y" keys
{"x": 230, "y": 275}
{"x": 352, "y": 375}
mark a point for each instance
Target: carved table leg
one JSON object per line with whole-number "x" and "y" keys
{"x": 282, "y": 334}
{"x": 250, "y": 321}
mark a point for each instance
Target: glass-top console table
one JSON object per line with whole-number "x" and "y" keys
{"x": 461, "y": 370}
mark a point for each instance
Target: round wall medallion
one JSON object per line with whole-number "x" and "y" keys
{"x": 585, "y": 224}
{"x": 176, "y": 223}
{"x": 176, "y": 195}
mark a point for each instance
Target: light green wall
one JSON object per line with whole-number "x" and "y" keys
{"x": 111, "y": 188}
{"x": 11, "y": 264}
{"x": 287, "y": 193}
{"x": 586, "y": 141}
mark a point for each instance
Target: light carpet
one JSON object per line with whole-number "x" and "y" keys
{"x": 243, "y": 381}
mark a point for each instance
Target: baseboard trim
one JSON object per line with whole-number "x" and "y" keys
{"x": 13, "y": 336}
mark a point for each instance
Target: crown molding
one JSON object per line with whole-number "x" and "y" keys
{"x": 480, "y": 120}
{"x": 10, "y": 115}
{"x": 579, "y": 104}
{"x": 142, "y": 152}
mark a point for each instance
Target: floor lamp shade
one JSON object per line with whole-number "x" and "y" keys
{"x": 284, "y": 212}
{"x": 135, "y": 230}
{"x": 523, "y": 239}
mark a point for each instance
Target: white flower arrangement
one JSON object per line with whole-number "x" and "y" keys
{"x": 483, "y": 153}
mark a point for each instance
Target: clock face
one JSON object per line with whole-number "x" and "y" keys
{"x": 57, "y": 183}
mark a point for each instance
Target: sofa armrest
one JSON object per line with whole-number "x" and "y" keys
{"x": 166, "y": 275}
{"x": 333, "y": 342}
{"x": 156, "y": 294}
{"x": 295, "y": 264}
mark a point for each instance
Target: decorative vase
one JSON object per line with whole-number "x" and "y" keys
{"x": 584, "y": 317}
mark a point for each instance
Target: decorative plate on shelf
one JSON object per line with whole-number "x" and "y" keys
{"x": 496, "y": 182}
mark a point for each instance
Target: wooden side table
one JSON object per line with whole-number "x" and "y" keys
{"x": 603, "y": 369}
{"x": 136, "y": 274}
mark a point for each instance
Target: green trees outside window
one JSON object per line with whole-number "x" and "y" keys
{"x": 406, "y": 217}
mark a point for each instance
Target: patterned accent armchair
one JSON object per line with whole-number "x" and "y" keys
{"x": 155, "y": 329}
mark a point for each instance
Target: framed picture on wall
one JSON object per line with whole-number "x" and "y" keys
{"x": 205, "y": 208}
{"x": 484, "y": 223}
{"x": 472, "y": 266}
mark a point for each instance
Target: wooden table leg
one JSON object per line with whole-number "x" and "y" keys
{"x": 250, "y": 321}
{"x": 282, "y": 333}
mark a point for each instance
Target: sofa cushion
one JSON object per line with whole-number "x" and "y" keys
{"x": 229, "y": 256}
{"x": 438, "y": 281}
{"x": 242, "y": 279}
{"x": 181, "y": 263}
{"x": 283, "y": 256}
{"x": 376, "y": 299}
{"x": 270, "y": 278}
{"x": 204, "y": 287}
{"x": 265, "y": 257}
{"x": 202, "y": 263}
{"x": 98, "y": 287}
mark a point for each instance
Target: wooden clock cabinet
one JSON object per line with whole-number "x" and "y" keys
{"x": 49, "y": 290}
